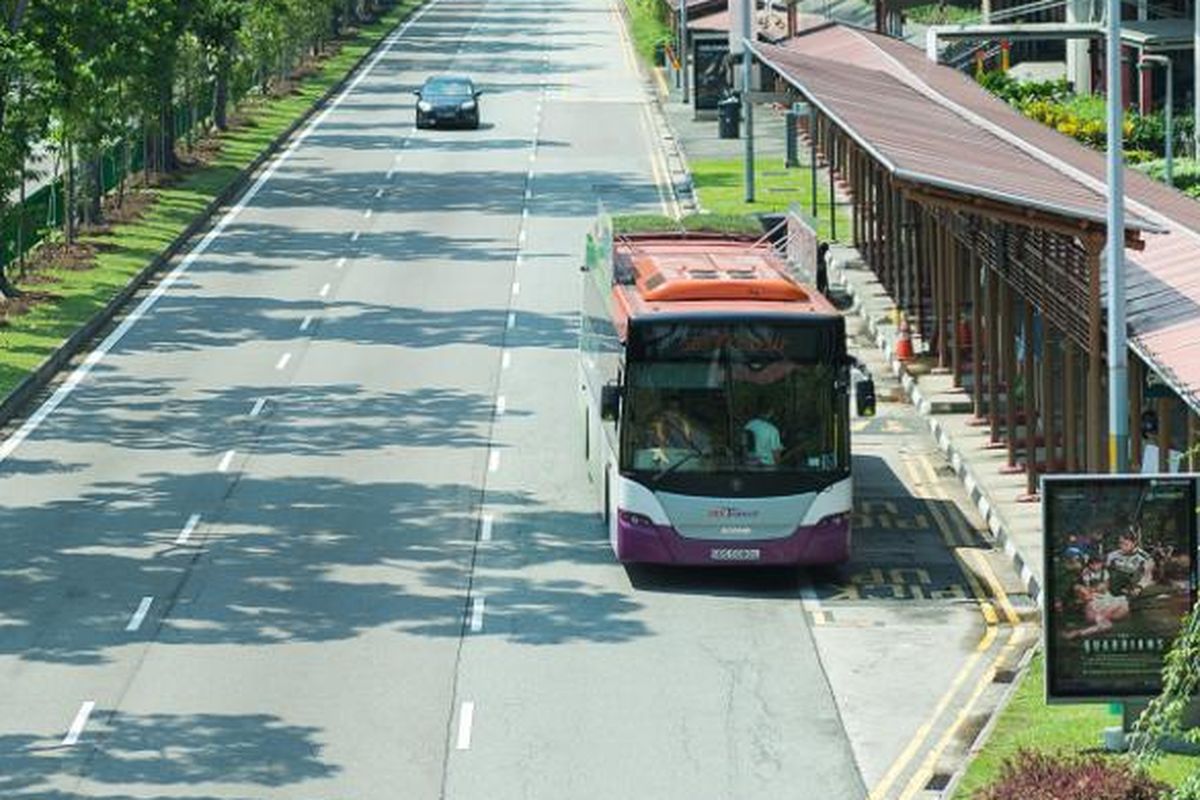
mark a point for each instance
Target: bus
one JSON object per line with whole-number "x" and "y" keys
{"x": 716, "y": 401}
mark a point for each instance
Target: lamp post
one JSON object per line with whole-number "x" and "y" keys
{"x": 683, "y": 49}
{"x": 747, "y": 102}
{"x": 1144, "y": 63}
{"x": 1118, "y": 358}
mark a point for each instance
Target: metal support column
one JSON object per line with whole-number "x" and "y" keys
{"x": 976, "y": 333}
{"x": 1070, "y": 408}
{"x": 1028, "y": 386}
{"x": 1118, "y": 440}
{"x": 1135, "y": 413}
{"x": 993, "y": 355}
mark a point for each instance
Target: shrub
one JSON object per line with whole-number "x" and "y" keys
{"x": 1031, "y": 775}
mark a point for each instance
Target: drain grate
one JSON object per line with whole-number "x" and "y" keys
{"x": 938, "y": 782}
{"x": 1004, "y": 676}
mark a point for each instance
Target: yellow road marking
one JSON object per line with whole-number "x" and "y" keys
{"x": 935, "y": 486}
{"x": 969, "y": 560}
{"x": 922, "y": 733}
{"x": 921, "y": 777}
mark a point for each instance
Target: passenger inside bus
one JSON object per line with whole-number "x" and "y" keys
{"x": 763, "y": 444}
{"x": 672, "y": 429}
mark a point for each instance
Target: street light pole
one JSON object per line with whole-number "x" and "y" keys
{"x": 1144, "y": 63}
{"x": 1195, "y": 79}
{"x": 683, "y": 48}
{"x": 1118, "y": 382}
{"x": 747, "y": 105}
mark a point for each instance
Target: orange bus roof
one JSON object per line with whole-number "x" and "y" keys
{"x": 676, "y": 269}
{"x": 707, "y": 275}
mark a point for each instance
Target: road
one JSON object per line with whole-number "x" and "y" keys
{"x": 316, "y": 523}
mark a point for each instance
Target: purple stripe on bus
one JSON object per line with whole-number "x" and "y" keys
{"x": 827, "y": 542}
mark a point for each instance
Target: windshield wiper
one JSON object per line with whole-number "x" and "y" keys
{"x": 665, "y": 471}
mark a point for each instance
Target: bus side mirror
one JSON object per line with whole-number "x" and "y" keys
{"x": 610, "y": 402}
{"x": 864, "y": 397}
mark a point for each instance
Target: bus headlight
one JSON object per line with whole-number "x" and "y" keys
{"x": 635, "y": 519}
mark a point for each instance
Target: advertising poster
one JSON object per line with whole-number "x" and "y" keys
{"x": 709, "y": 80}
{"x": 1120, "y": 575}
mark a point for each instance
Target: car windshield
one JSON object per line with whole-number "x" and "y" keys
{"x": 449, "y": 87}
{"x": 743, "y": 398}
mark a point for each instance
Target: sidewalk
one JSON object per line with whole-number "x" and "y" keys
{"x": 1016, "y": 525}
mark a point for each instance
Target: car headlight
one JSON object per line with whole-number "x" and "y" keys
{"x": 467, "y": 106}
{"x": 424, "y": 105}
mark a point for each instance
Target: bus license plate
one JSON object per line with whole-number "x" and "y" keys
{"x": 735, "y": 554}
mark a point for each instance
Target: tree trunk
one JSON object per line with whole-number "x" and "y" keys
{"x": 69, "y": 199}
{"x": 221, "y": 103}
{"x": 169, "y": 162}
{"x": 7, "y": 290}
{"x": 21, "y": 222}
{"x": 95, "y": 206}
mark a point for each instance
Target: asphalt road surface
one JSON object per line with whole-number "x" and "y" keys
{"x": 316, "y": 522}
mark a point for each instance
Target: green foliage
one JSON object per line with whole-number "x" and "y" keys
{"x": 942, "y": 14}
{"x": 1165, "y": 716}
{"x": 1083, "y": 117}
{"x": 650, "y": 30}
{"x": 1186, "y": 173}
{"x": 692, "y": 223}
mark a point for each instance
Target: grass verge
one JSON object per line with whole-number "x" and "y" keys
{"x": 647, "y": 26}
{"x": 75, "y": 295}
{"x": 719, "y": 187}
{"x": 1027, "y": 722}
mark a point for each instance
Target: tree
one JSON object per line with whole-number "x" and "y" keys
{"x": 1166, "y": 715}
{"x": 23, "y": 111}
{"x": 216, "y": 24}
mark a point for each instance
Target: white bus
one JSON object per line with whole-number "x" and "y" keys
{"x": 715, "y": 395}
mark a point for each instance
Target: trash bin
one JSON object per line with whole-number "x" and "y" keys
{"x": 729, "y": 117}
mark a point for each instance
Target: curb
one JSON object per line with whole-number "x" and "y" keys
{"x": 995, "y": 521}
{"x": 20, "y": 398}
{"x": 681, "y": 173}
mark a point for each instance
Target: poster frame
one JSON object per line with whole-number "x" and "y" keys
{"x": 1054, "y": 695}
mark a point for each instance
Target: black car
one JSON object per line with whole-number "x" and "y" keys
{"x": 448, "y": 100}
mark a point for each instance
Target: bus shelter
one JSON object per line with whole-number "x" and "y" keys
{"x": 988, "y": 232}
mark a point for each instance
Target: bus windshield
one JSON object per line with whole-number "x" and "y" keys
{"x": 755, "y": 400}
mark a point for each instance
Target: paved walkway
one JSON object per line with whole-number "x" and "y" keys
{"x": 1016, "y": 525}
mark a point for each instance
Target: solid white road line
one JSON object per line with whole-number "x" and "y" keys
{"x": 259, "y": 405}
{"x": 283, "y": 361}
{"x": 505, "y": 360}
{"x": 226, "y": 461}
{"x": 486, "y": 522}
{"x": 494, "y": 461}
{"x": 325, "y": 290}
{"x": 516, "y": 288}
{"x": 143, "y": 608}
{"x": 512, "y": 320}
{"x": 308, "y": 320}
{"x": 466, "y": 718}
{"x": 93, "y": 358}
{"x": 81, "y": 720}
{"x": 501, "y": 405}
{"x": 477, "y": 615}
{"x": 188, "y": 528}
{"x": 521, "y": 236}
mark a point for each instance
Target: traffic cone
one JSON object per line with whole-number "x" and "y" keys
{"x": 904, "y": 345}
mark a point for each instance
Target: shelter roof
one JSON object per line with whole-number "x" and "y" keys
{"x": 1163, "y": 286}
